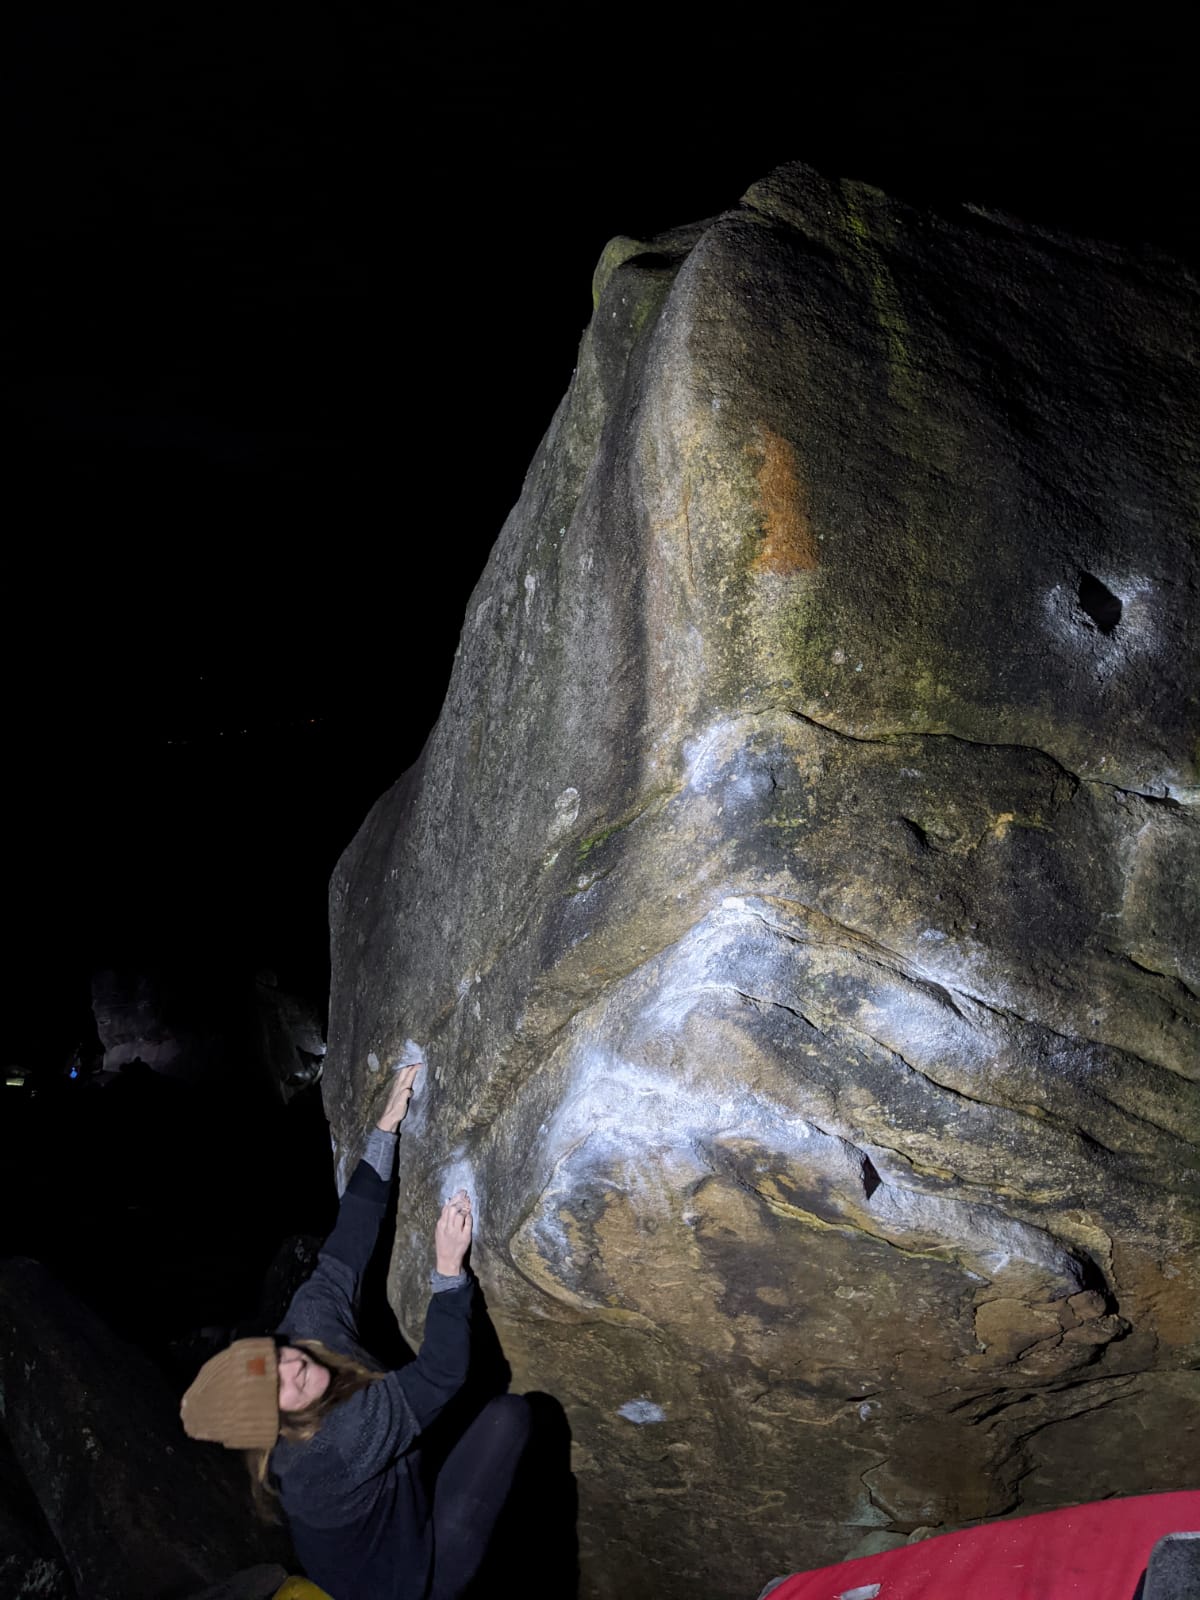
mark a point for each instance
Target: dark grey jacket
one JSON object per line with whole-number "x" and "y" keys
{"x": 358, "y": 1509}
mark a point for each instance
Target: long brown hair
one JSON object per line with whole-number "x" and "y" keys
{"x": 347, "y": 1377}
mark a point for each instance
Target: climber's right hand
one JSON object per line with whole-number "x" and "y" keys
{"x": 452, "y": 1236}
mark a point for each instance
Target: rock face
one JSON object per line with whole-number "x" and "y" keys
{"x": 31, "y": 1564}
{"x": 140, "y": 1511}
{"x": 290, "y": 1040}
{"x": 796, "y": 901}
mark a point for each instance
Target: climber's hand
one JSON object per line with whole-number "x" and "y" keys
{"x": 399, "y": 1095}
{"x": 452, "y": 1236}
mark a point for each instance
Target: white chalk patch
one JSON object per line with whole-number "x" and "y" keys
{"x": 458, "y": 1174}
{"x": 641, "y": 1412}
{"x": 372, "y": 1061}
{"x": 642, "y": 1130}
{"x": 1140, "y": 628}
{"x": 864, "y": 1591}
{"x": 704, "y": 755}
{"x": 566, "y": 809}
{"x": 530, "y": 590}
{"x": 412, "y": 1054}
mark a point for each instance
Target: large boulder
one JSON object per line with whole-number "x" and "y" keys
{"x": 796, "y": 901}
{"x": 31, "y": 1564}
{"x": 139, "y": 1510}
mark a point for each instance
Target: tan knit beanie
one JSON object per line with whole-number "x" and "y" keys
{"x": 235, "y": 1398}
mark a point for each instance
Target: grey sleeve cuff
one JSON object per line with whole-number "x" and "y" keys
{"x": 380, "y": 1152}
{"x": 441, "y": 1281}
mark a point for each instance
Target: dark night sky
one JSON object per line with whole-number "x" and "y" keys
{"x": 291, "y": 297}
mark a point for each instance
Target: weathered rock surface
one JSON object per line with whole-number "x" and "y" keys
{"x": 796, "y": 901}
{"x": 31, "y": 1564}
{"x": 139, "y": 1510}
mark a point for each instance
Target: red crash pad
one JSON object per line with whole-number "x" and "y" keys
{"x": 1092, "y": 1552}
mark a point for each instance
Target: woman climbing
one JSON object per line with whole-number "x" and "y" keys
{"x": 378, "y": 1507}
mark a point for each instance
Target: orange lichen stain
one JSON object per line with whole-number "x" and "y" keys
{"x": 788, "y": 544}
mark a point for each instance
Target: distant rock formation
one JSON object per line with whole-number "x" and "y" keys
{"x": 797, "y": 898}
{"x": 189, "y": 1030}
{"x": 291, "y": 1042}
{"x": 133, "y": 1025}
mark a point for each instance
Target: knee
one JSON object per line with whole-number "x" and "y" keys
{"x": 504, "y": 1427}
{"x": 509, "y": 1414}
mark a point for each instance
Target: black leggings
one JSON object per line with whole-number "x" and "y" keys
{"x": 470, "y": 1490}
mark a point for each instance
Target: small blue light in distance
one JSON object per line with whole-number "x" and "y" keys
{"x": 74, "y": 1072}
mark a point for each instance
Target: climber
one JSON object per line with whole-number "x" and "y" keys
{"x": 379, "y": 1506}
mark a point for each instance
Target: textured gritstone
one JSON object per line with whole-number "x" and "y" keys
{"x": 797, "y": 899}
